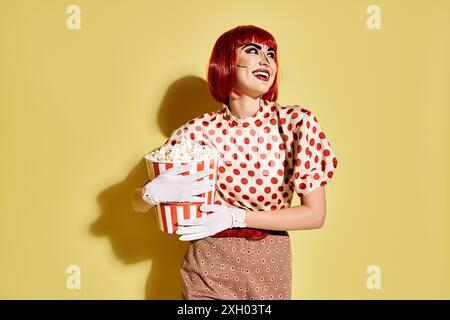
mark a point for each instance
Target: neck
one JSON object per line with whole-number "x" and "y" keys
{"x": 244, "y": 106}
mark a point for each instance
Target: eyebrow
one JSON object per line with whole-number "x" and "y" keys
{"x": 257, "y": 46}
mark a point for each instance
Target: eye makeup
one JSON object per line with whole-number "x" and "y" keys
{"x": 271, "y": 54}
{"x": 258, "y": 47}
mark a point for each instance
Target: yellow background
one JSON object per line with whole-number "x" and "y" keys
{"x": 80, "y": 108}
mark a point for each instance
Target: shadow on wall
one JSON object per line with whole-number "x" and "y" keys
{"x": 135, "y": 236}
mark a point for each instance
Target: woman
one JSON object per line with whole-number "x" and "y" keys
{"x": 241, "y": 249}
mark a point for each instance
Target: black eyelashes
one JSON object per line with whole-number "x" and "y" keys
{"x": 270, "y": 54}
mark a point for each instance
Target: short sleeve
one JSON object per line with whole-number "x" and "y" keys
{"x": 192, "y": 132}
{"x": 314, "y": 160}
{"x": 178, "y": 135}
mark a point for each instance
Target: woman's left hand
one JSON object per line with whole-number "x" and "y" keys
{"x": 221, "y": 218}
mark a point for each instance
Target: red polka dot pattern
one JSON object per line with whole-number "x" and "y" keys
{"x": 265, "y": 157}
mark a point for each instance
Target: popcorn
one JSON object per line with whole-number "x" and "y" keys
{"x": 184, "y": 151}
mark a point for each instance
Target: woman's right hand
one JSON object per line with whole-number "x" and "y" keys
{"x": 171, "y": 186}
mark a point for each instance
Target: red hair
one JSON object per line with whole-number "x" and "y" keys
{"x": 222, "y": 64}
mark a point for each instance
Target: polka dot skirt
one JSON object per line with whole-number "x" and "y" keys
{"x": 237, "y": 269}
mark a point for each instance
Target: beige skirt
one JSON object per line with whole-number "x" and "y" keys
{"x": 234, "y": 268}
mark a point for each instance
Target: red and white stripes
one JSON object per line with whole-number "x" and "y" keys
{"x": 170, "y": 213}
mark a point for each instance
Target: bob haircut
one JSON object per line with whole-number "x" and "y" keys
{"x": 222, "y": 64}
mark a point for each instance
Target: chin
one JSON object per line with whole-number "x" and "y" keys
{"x": 256, "y": 91}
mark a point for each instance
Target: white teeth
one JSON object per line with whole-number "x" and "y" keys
{"x": 262, "y": 73}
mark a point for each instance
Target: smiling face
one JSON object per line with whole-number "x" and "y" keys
{"x": 255, "y": 68}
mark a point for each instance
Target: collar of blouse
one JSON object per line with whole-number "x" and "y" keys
{"x": 247, "y": 121}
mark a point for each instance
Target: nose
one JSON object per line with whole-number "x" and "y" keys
{"x": 264, "y": 60}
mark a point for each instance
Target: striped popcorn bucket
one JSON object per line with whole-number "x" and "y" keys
{"x": 169, "y": 214}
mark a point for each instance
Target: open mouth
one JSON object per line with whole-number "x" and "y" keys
{"x": 263, "y": 75}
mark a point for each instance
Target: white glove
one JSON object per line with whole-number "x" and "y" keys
{"x": 170, "y": 186}
{"x": 221, "y": 218}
